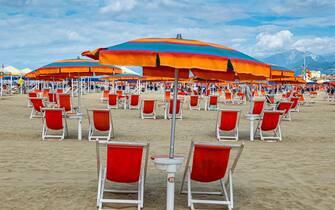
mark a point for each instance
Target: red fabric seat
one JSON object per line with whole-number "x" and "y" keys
{"x": 112, "y": 99}
{"x": 134, "y": 100}
{"x": 32, "y": 95}
{"x": 124, "y": 163}
{"x": 52, "y": 97}
{"x": 177, "y": 107}
{"x": 228, "y": 120}
{"x": 37, "y": 104}
{"x": 209, "y": 163}
{"x": 284, "y": 106}
{"x": 101, "y": 120}
{"x": 270, "y": 121}
{"x": 213, "y": 100}
{"x": 294, "y": 101}
{"x": 257, "y": 107}
{"x": 65, "y": 102}
{"x": 148, "y": 106}
{"x": 54, "y": 119}
{"x": 194, "y": 100}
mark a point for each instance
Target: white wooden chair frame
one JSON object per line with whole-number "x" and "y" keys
{"x": 235, "y": 131}
{"x": 226, "y": 185}
{"x": 148, "y": 116}
{"x": 102, "y": 178}
{"x": 92, "y": 131}
{"x": 277, "y": 135}
{"x": 45, "y": 135}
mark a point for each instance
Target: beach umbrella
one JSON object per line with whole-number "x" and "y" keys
{"x": 74, "y": 68}
{"x": 280, "y": 72}
{"x": 174, "y": 58}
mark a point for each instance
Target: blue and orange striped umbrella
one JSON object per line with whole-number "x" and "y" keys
{"x": 181, "y": 54}
{"x": 280, "y": 72}
{"x": 74, "y": 68}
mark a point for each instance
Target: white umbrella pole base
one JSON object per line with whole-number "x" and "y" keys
{"x": 170, "y": 165}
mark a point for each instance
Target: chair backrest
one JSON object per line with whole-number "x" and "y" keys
{"x": 228, "y": 95}
{"x": 101, "y": 119}
{"x": 59, "y": 91}
{"x": 65, "y": 102}
{"x": 124, "y": 163}
{"x": 284, "y": 106}
{"x": 112, "y": 99}
{"x": 54, "y": 118}
{"x": 37, "y": 104}
{"x": 167, "y": 95}
{"x": 52, "y": 97}
{"x": 32, "y": 95}
{"x": 134, "y": 100}
{"x": 213, "y": 100}
{"x": 240, "y": 94}
{"x": 119, "y": 92}
{"x": 208, "y": 92}
{"x": 270, "y": 120}
{"x": 148, "y": 106}
{"x": 228, "y": 119}
{"x": 45, "y": 92}
{"x": 177, "y": 107}
{"x": 210, "y": 162}
{"x": 105, "y": 94}
{"x": 194, "y": 100}
{"x": 270, "y": 99}
{"x": 257, "y": 107}
{"x": 294, "y": 101}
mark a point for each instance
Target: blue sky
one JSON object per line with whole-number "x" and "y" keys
{"x": 37, "y": 32}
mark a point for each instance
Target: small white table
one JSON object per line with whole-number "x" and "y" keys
{"x": 252, "y": 118}
{"x": 163, "y": 162}
{"x": 77, "y": 116}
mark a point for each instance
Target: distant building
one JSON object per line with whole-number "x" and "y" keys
{"x": 315, "y": 74}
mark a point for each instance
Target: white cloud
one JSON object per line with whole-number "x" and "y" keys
{"x": 318, "y": 45}
{"x": 118, "y": 6}
{"x": 275, "y": 41}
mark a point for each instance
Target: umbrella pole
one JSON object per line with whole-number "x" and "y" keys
{"x": 173, "y": 122}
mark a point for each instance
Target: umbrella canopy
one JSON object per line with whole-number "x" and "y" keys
{"x": 10, "y": 70}
{"x": 181, "y": 54}
{"x": 76, "y": 68}
{"x": 280, "y": 72}
{"x": 121, "y": 77}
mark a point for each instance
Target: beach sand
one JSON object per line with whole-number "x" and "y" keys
{"x": 297, "y": 173}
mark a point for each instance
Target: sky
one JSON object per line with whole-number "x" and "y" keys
{"x": 34, "y": 33}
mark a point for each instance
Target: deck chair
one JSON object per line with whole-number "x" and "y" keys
{"x": 213, "y": 103}
{"x": 64, "y": 101}
{"x": 122, "y": 164}
{"x": 59, "y": 91}
{"x": 228, "y": 98}
{"x": 169, "y": 110}
{"x": 256, "y": 107}
{"x": 270, "y": 122}
{"x": 54, "y": 120}
{"x": 52, "y": 98}
{"x": 295, "y": 104}
{"x": 102, "y": 126}
{"x": 240, "y": 98}
{"x": 134, "y": 102}
{"x": 227, "y": 121}
{"x": 45, "y": 93}
{"x": 36, "y": 111}
{"x": 209, "y": 163}
{"x": 112, "y": 101}
{"x": 105, "y": 95}
{"x": 167, "y": 96}
{"x": 270, "y": 99}
{"x": 286, "y": 107}
{"x": 194, "y": 102}
{"x": 31, "y": 95}
{"x": 148, "y": 109}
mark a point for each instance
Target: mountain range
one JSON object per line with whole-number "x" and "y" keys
{"x": 294, "y": 59}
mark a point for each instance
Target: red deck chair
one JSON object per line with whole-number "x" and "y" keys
{"x": 52, "y": 98}
{"x": 263, "y": 92}
{"x": 194, "y": 102}
{"x": 209, "y": 163}
{"x": 169, "y": 110}
{"x": 195, "y": 92}
{"x": 241, "y": 99}
{"x": 134, "y": 102}
{"x": 270, "y": 99}
{"x": 102, "y": 126}
{"x": 227, "y": 121}
{"x": 228, "y": 98}
{"x": 64, "y": 101}
{"x": 122, "y": 99}
{"x": 31, "y": 95}
{"x": 286, "y": 107}
{"x": 256, "y": 107}
{"x": 105, "y": 95}
{"x": 36, "y": 111}
{"x": 295, "y": 104}
{"x": 121, "y": 163}
{"x": 45, "y": 93}
{"x": 213, "y": 103}
{"x": 167, "y": 96}
{"x": 54, "y": 120}
{"x": 208, "y": 92}
{"x": 59, "y": 91}
{"x": 112, "y": 101}
{"x": 270, "y": 122}
{"x": 148, "y": 109}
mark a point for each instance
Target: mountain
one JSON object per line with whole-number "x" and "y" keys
{"x": 294, "y": 59}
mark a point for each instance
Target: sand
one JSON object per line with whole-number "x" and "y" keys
{"x": 297, "y": 173}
